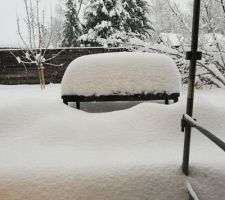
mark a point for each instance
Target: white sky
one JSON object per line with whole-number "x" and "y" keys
{"x": 10, "y": 9}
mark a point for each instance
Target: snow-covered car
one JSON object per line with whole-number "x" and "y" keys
{"x": 121, "y": 76}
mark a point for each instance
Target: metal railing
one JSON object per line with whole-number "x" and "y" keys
{"x": 188, "y": 122}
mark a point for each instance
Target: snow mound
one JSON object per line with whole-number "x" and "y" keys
{"x": 121, "y": 73}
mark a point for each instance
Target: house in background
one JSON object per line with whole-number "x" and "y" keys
{"x": 173, "y": 40}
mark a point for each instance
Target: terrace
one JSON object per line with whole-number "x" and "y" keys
{"x": 130, "y": 150}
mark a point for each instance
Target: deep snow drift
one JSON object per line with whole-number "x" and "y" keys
{"x": 51, "y": 151}
{"x": 121, "y": 73}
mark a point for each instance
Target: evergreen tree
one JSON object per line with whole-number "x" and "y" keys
{"x": 103, "y": 22}
{"x": 72, "y": 29}
{"x": 137, "y": 18}
{"x": 113, "y": 22}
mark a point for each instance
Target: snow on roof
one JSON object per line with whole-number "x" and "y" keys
{"x": 121, "y": 73}
{"x": 171, "y": 39}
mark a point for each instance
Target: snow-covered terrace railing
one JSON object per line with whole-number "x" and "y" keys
{"x": 193, "y": 123}
{"x": 124, "y": 76}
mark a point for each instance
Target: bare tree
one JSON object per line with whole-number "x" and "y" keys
{"x": 37, "y": 41}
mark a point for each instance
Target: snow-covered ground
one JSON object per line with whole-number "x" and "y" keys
{"x": 51, "y": 151}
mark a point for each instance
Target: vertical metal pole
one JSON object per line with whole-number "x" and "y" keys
{"x": 78, "y": 105}
{"x": 191, "y": 82}
{"x": 166, "y": 100}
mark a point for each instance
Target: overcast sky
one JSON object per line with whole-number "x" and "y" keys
{"x": 10, "y": 9}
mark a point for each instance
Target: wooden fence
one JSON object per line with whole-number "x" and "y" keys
{"x": 11, "y": 72}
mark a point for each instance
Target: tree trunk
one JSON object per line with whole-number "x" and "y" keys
{"x": 42, "y": 77}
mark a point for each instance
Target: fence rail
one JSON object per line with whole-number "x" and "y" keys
{"x": 188, "y": 121}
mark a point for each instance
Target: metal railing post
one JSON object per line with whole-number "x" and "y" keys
{"x": 193, "y": 56}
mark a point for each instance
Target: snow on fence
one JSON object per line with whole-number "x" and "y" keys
{"x": 11, "y": 72}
